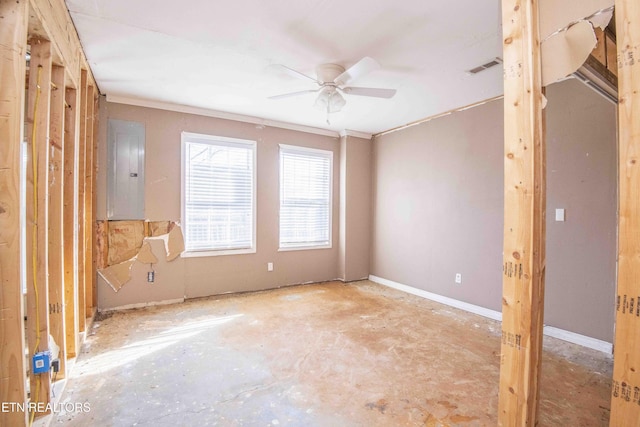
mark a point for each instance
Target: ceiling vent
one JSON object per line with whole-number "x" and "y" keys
{"x": 492, "y": 63}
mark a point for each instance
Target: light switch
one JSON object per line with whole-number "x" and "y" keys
{"x": 560, "y": 215}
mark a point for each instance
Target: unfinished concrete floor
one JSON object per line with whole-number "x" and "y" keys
{"x": 316, "y": 355}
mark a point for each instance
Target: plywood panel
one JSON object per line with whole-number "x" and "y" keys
{"x": 625, "y": 400}
{"x": 524, "y": 216}
{"x": 13, "y": 43}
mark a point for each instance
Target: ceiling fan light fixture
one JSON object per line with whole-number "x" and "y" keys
{"x": 330, "y": 100}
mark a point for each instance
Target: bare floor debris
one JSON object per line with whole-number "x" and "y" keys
{"x": 316, "y": 355}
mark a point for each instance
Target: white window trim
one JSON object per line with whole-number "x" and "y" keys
{"x": 218, "y": 140}
{"x": 328, "y": 153}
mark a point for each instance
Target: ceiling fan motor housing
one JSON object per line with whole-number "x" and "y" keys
{"x": 327, "y": 73}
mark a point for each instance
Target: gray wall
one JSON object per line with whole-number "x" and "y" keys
{"x": 581, "y": 176}
{"x": 205, "y": 276}
{"x": 438, "y": 208}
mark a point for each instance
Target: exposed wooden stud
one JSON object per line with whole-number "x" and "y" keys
{"x": 13, "y": 44}
{"x": 55, "y": 24}
{"x": 94, "y": 200}
{"x": 81, "y": 204}
{"x": 89, "y": 230}
{"x": 38, "y": 108}
{"x": 625, "y": 393}
{"x": 102, "y": 244}
{"x": 81, "y": 189}
{"x": 56, "y": 182}
{"x": 524, "y": 222}
{"x": 70, "y": 221}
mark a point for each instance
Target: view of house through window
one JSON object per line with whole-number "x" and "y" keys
{"x": 305, "y": 197}
{"x": 218, "y": 193}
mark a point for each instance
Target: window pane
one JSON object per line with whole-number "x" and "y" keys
{"x": 219, "y": 194}
{"x": 305, "y": 197}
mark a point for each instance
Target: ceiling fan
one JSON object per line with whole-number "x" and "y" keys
{"x": 332, "y": 81}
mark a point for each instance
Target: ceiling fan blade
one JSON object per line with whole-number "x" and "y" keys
{"x": 294, "y": 73}
{"x": 359, "y": 69}
{"x": 292, "y": 94}
{"x": 370, "y": 91}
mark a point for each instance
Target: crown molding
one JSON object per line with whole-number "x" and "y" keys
{"x": 179, "y": 108}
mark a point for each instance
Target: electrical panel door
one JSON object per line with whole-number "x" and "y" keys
{"x": 125, "y": 175}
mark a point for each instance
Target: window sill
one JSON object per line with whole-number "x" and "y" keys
{"x": 303, "y": 248}
{"x": 198, "y": 254}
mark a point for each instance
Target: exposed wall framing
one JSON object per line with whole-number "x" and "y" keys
{"x": 625, "y": 393}
{"x": 48, "y": 111}
{"x": 524, "y": 216}
{"x": 13, "y": 48}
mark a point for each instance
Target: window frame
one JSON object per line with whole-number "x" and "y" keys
{"x": 187, "y": 137}
{"x": 318, "y": 152}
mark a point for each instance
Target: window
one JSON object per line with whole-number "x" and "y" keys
{"x": 305, "y": 197}
{"x": 218, "y": 194}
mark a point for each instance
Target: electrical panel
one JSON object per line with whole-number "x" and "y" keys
{"x": 125, "y": 174}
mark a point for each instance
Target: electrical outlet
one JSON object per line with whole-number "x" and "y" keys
{"x": 458, "y": 278}
{"x": 269, "y": 266}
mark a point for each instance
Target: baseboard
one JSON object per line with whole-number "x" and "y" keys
{"x": 583, "y": 340}
{"x": 476, "y": 309}
{"x": 572, "y": 337}
{"x": 141, "y": 305}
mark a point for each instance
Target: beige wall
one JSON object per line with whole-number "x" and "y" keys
{"x": 231, "y": 273}
{"x": 438, "y": 208}
{"x": 355, "y": 207}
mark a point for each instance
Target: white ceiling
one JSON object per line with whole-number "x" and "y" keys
{"x": 216, "y": 55}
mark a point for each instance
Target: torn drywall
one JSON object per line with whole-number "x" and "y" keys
{"x": 117, "y": 275}
{"x": 558, "y": 14}
{"x": 568, "y": 36}
{"x": 145, "y": 255}
{"x": 173, "y": 242}
{"x": 565, "y": 52}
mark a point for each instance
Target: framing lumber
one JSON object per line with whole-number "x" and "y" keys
{"x": 55, "y": 24}
{"x": 39, "y": 102}
{"x": 94, "y": 200}
{"x": 81, "y": 249}
{"x": 524, "y": 212}
{"x": 70, "y": 221}
{"x": 56, "y": 248}
{"x": 89, "y": 230}
{"x": 625, "y": 393}
{"x": 13, "y": 44}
